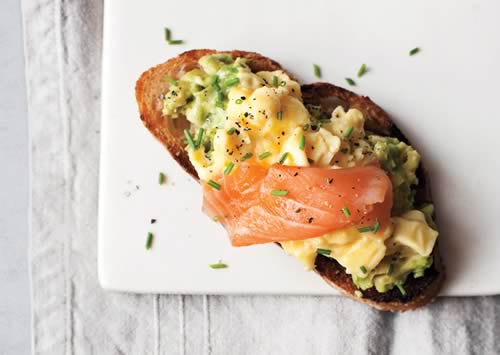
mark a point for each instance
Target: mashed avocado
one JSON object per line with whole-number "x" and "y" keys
{"x": 201, "y": 95}
{"x": 392, "y": 270}
{"x": 401, "y": 162}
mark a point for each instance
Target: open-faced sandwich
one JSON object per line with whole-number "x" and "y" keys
{"x": 317, "y": 169}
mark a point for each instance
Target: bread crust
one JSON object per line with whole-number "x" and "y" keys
{"x": 153, "y": 83}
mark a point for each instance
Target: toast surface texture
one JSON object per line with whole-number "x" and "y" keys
{"x": 153, "y": 84}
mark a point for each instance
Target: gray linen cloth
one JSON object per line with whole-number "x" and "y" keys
{"x": 72, "y": 314}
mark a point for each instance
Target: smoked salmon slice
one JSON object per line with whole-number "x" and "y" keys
{"x": 281, "y": 203}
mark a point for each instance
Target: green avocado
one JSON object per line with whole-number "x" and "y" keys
{"x": 201, "y": 94}
{"x": 400, "y": 161}
{"x": 392, "y": 271}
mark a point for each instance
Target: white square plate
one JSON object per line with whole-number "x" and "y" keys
{"x": 444, "y": 98}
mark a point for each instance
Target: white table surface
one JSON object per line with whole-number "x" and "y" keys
{"x": 15, "y": 318}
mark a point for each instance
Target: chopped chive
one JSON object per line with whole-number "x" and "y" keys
{"x": 302, "y": 143}
{"x": 348, "y": 132}
{"x": 220, "y": 99}
{"x": 239, "y": 101}
{"x": 161, "y": 178}
{"x": 376, "y": 226}
{"x": 215, "y": 83}
{"x": 418, "y": 273}
{"x": 228, "y": 169}
{"x": 414, "y": 51}
{"x": 231, "y": 82}
{"x": 176, "y": 41}
{"x": 306, "y": 126}
{"x": 363, "y": 269}
{"x": 391, "y": 269}
{"x": 350, "y": 81}
{"x": 317, "y": 71}
{"x": 168, "y": 34}
{"x": 219, "y": 265}
{"x": 213, "y": 184}
{"x": 279, "y": 192}
{"x": 275, "y": 81}
{"x": 199, "y": 137}
{"x": 149, "y": 241}
{"x": 264, "y": 155}
{"x": 231, "y": 130}
{"x": 323, "y": 251}
{"x": 365, "y": 229}
{"x": 362, "y": 70}
{"x": 283, "y": 83}
{"x": 346, "y": 211}
{"x": 283, "y": 158}
{"x": 401, "y": 288}
{"x": 280, "y": 115}
{"x": 189, "y": 138}
{"x": 246, "y": 156}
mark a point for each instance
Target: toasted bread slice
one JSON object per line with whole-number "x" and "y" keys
{"x": 151, "y": 87}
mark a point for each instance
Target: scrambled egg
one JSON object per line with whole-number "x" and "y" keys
{"x": 262, "y": 123}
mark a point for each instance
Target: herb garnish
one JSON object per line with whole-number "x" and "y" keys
{"x": 414, "y": 51}
{"x": 348, "y": 132}
{"x": 213, "y": 184}
{"x": 302, "y": 143}
{"x": 231, "y": 82}
{"x": 391, "y": 269}
{"x": 149, "y": 241}
{"x": 189, "y": 139}
{"x": 317, "y": 71}
{"x": 362, "y": 70}
{"x": 219, "y": 265}
{"x": 264, "y": 155}
{"x": 346, "y": 211}
{"x": 350, "y": 81}
{"x": 279, "y": 192}
{"x": 373, "y": 228}
{"x": 246, "y": 156}
{"x": 363, "y": 269}
{"x": 168, "y": 37}
{"x": 275, "y": 81}
{"x": 231, "y": 130}
{"x": 323, "y": 251}
{"x": 199, "y": 137}
{"x": 401, "y": 288}
{"x": 365, "y": 229}
{"x": 161, "y": 178}
{"x": 283, "y": 158}
{"x": 228, "y": 169}
{"x": 280, "y": 115}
